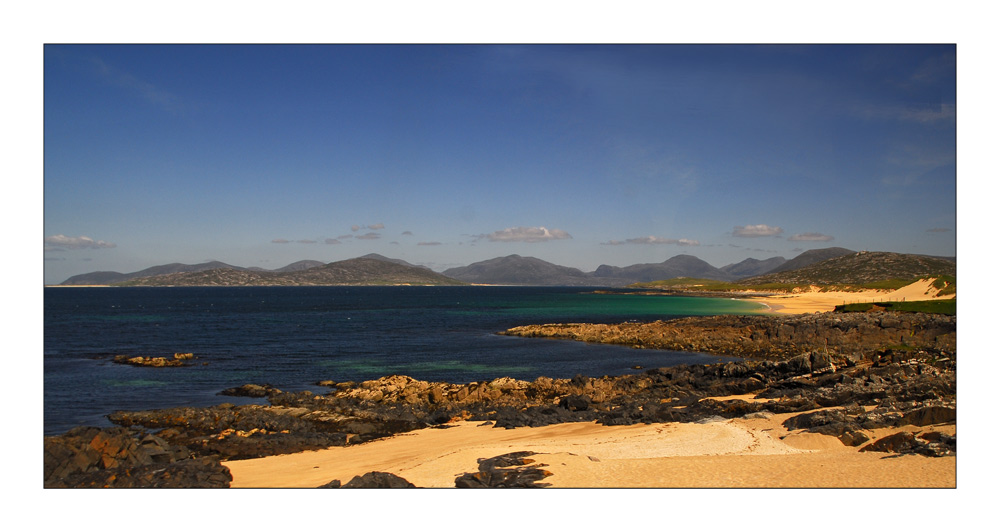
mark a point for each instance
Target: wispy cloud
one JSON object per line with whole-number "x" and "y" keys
{"x": 934, "y": 69}
{"x": 280, "y": 241}
{"x": 369, "y": 236}
{"x": 143, "y": 89}
{"x": 408, "y": 233}
{"x": 925, "y": 114}
{"x": 752, "y": 231}
{"x": 428, "y": 243}
{"x": 332, "y": 241}
{"x": 653, "y": 240}
{"x": 908, "y": 164}
{"x": 526, "y": 234}
{"x": 810, "y": 237}
{"x": 306, "y": 241}
{"x": 63, "y": 242}
{"x": 374, "y": 227}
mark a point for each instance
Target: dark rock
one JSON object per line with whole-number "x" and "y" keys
{"x": 121, "y": 458}
{"x": 154, "y": 362}
{"x": 250, "y": 390}
{"x": 853, "y": 438}
{"x": 377, "y": 479}
{"x": 194, "y": 473}
{"x": 511, "y": 470}
{"x": 930, "y": 444}
{"x": 894, "y": 443}
{"x": 929, "y": 415}
{"x": 575, "y": 403}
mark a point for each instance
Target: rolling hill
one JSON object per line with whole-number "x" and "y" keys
{"x": 861, "y": 268}
{"x": 678, "y": 266}
{"x": 810, "y": 257}
{"x": 518, "y": 270}
{"x": 359, "y": 271}
{"x": 753, "y": 267}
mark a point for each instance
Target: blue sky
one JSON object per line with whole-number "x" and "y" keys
{"x": 581, "y": 155}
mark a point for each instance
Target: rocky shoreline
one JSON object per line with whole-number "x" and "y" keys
{"x": 847, "y": 374}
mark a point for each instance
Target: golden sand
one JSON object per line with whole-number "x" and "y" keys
{"x": 813, "y": 300}
{"x": 731, "y": 453}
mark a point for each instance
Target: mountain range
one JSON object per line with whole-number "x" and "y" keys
{"x": 509, "y": 270}
{"x": 354, "y": 272}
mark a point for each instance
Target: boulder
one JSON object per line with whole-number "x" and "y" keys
{"x": 511, "y": 470}
{"x": 377, "y": 479}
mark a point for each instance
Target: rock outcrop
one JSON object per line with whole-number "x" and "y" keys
{"x": 120, "y": 458}
{"x": 155, "y": 362}
{"x": 511, "y": 470}
{"x": 373, "y": 479}
{"x": 772, "y": 337}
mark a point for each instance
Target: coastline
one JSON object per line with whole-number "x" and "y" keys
{"x": 663, "y": 427}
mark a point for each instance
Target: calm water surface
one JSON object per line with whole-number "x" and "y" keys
{"x": 292, "y": 337}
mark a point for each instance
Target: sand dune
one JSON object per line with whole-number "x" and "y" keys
{"x": 814, "y": 300}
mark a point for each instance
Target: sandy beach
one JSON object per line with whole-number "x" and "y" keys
{"x": 815, "y": 300}
{"x": 756, "y": 452}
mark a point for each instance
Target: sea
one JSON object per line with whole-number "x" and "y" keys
{"x": 294, "y": 337}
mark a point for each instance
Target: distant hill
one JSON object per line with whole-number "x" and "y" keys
{"x": 752, "y": 267}
{"x": 861, "y": 268}
{"x": 678, "y": 266}
{"x": 518, "y": 270}
{"x": 115, "y": 277}
{"x": 810, "y": 257}
{"x": 376, "y": 256}
{"x": 299, "y": 266}
{"x": 817, "y": 266}
{"x": 359, "y": 271}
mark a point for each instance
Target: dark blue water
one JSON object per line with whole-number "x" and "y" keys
{"x": 292, "y": 337}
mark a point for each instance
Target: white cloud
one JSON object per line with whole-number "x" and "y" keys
{"x": 63, "y": 242}
{"x": 355, "y": 228}
{"x": 527, "y": 234}
{"x": 750, "y": 231}
{"x": 653, "y": 240}
{"x": 810, "y": 237}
